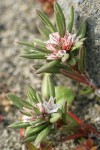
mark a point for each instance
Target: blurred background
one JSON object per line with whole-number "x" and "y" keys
{"x": 18, "y": 22}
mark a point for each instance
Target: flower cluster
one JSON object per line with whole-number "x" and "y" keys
{"x": 45, "y": 108}
{"x": 59, "y": 46}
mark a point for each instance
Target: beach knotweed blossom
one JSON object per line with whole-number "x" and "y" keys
{"x": 59, "y": 46}
{"x": 50, "y": 106}
{"x": 45, "y": 108}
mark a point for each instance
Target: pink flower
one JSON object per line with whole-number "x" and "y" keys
{"x": 54, "y": 38}
{"x": 68, "y": 41}
{"x": 57, "y": 55}
{"x": 59, "y": 46}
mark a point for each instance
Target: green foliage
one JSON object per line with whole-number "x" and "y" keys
{"x": 28, "y": 139}
{"x": 81, "y": 63}
{"x": 34, "y": 56}
{"x": 47, "y": 66}
{"x": 82, "y": 30}
{"x": 55, "y": 117}
{"x": 65, "y": 58}
{"x": 77, "y": 45}
{"x": 60, "y": 19}
{"x": 16, "y": 100}
{"x": 71, "y": 20}
{"x": 64, "y": 95}
{"x": 55, "y": 69}
{"x": 42, "y": 135}
{"x": 26, "y": 104}
{"x": 36, "y": 129}
{"x": 72, "y": 61}
{"x": 46, "y": 21}
{"x": 18, "y": 125}
{"x": 39, "y": 98}
{"x": 31, "y": 94}
{"x": 26, "y": 44}
{"x": 48, "y": 88}
{"x": 45, "y": 32}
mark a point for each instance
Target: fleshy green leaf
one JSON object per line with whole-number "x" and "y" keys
{"x": 40, "y": 47}
{"x": 71, "y": 20}
{"x": 82, "y": 30}
{"x": 42, "y": 135}
{"x": 48, "y": 88}
{"x": 55, "y": 117}
{"x": 34, "y": 56}
{"x": 29, "y": 139}
{"x": 31, "y": 93}
{"x": 39, "y": 42}
{"x": 51, "y": 86}
{"x": 26, "y": 104}
{"x": 16, "y": 100}
{"x": 38, "y": 122}
{"x": 30, "y": 51}
{"x": 39, "y": 98}
{"x": 55, "y": 69}
{"x": 64, "y": 95}
{"x": 65, "y": 58}
{"x": 81, "y": 63}
{"x": 45, "y": 32}
{"x": 34, "y": 124}
{"x": 72, "y": 61}
{"x": 37, "y": 129}
{"x": 77, "y": 45}
{"x": 49, "y": 65}
{"x": 25, "y": 113}
{"x": 44, "y": 89}
{"x": 18, "y": 125}
{"x": 26, "y": 44}
{"x": 36, "y": 111}
{"x": 45, "y": 19}
{"x": 60, "y": 19}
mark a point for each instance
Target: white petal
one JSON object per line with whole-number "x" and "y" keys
{"x": 61, "y": 53}
{"x": 50, "y": 107}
